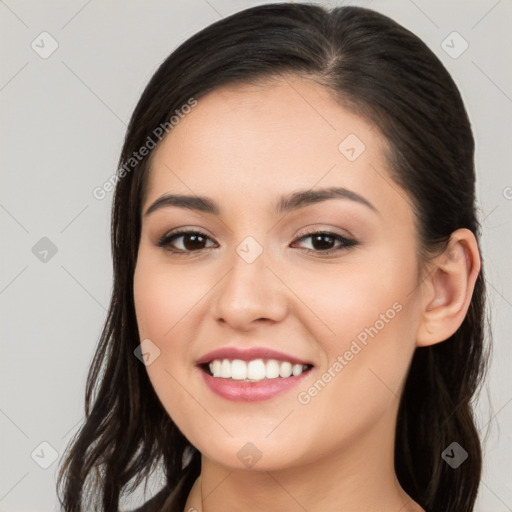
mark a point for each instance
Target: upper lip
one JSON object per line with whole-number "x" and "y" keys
{"x": 249, "y": 354}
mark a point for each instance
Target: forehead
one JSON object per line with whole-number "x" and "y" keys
{"x": 262, "y": 140}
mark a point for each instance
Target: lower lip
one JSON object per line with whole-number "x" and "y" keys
{"x": 238, "y": 390}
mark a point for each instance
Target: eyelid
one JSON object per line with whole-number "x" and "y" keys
{"x": 317, "y": 229}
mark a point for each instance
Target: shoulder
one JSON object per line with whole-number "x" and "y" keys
{"x": 154, "y": 504}
{"x": 169, "y": 499}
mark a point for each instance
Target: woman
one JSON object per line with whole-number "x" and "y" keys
{"x": 297, "y": 314}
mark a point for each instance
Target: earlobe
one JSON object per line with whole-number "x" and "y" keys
{"x": 448, "y": 289}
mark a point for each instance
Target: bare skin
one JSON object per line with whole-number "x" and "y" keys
{"x": 331, "y": 450}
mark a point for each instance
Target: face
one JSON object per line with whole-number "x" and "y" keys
{"x": 276, "y": 272}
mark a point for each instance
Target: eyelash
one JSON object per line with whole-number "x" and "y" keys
{"x": 165, "y": 241}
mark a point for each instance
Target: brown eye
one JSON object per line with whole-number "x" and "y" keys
{"x": 323, "y": 242}
{"x": 184, "y": 241}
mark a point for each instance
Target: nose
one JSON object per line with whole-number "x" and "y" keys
{"x": 249, "y": 294}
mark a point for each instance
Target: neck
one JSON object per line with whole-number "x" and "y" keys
{"x": 356, "y": 477}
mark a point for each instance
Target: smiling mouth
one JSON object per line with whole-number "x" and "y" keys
{"x": 255, "y": 370}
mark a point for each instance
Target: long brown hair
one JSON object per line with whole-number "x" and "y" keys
{"x": 388, "y": 75}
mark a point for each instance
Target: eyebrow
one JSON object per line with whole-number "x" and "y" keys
{"x": 293, "y": 201}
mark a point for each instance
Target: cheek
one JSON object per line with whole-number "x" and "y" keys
{"x": 372, "y": 318}
{"x": 163, "y": 297}
{"x": 169, "y": 301}
{"x": 163, "y": 300}
{"x": 350, "y": 298}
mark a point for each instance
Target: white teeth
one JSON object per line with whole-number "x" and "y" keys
{"x": 297, "y": 369}
{"x": 238, "y": 369}
{"x": 285, "y": 370}
{"x": 254, "y": 370}
{"x": 225, "y": 369}
{"x": 272, "y": 369}
{"x": 215, "y": 367}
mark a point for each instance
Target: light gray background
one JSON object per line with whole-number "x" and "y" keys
{"x": 63, "y": 120}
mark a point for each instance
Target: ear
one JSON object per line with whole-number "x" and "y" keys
{"x": 448, "y": 288}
